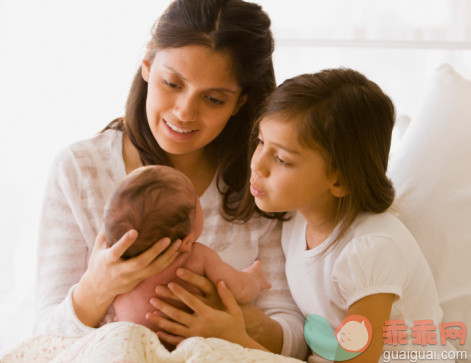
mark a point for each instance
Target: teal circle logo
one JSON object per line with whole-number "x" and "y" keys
{"x": 349, "y": 340}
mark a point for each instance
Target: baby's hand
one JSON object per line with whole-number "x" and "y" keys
{"x": 257, "y": 271}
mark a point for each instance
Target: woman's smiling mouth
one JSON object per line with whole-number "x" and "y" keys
{"x": 177, "y": 129}
{"x": 176, "y": 132}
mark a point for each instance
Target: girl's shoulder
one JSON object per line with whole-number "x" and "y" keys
{"x": 369, "y": 231}
{"x": 380, "y": 234}
{"x": 380, "y": 256}
{"x": 380, "y": 225}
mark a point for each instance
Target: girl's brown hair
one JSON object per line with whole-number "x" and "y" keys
{"x": 242, "y": 30}
{"x": 349, "y": 120}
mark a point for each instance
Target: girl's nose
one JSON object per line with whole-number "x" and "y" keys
{"x": 186, "y": 107}
{"x": 258, "y": 164}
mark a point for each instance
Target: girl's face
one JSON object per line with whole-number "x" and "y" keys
{"x": 192, "y": 92}
{"x": 287, "y": 176}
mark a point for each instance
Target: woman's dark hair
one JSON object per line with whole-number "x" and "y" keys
{"x": 242, "y": 30}
{"x": 349, "y": 120}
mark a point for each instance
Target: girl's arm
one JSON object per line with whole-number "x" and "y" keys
{"x": 377, "y": 309}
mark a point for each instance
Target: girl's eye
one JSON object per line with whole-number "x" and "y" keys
{"x": 281, "y": 161}
{"x": 170, "y": 84}
{"x": 215, "y": 100}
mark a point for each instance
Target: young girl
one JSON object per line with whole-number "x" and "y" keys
{"x": 323, "y": 145}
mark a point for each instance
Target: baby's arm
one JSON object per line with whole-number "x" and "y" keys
{"x": 245, "y": 285}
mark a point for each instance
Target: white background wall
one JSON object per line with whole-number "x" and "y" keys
{"x": 66, "y": 67}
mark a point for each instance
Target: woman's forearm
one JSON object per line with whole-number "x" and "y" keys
{"x": 262, "y": 329}
{"x": 249, "y": 342}
{"x": 90, "y": 307}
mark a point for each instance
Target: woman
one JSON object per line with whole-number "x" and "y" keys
{"x": 207, "y": 70}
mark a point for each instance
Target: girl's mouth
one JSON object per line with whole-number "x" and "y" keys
{"x": 255, "y": 191}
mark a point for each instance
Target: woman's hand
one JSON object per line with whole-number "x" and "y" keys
{"x": 210, "y": 295}
{"x": 211, "y": 298}
{"x": 204, "y": 322}
{"x": 258, "y": 326}
{"x": 108, "y": 275}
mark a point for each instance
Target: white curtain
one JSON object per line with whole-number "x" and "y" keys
{"x": 397, "y": 43}
{"x": 66, "y": 67}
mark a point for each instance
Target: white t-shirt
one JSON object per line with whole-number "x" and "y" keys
{"x": 82, "y": 178}
{"x": 377, "y": 255}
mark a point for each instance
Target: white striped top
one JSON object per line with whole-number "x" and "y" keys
{"x": 82, "y": 177}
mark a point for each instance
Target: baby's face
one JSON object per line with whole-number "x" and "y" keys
{"x": 196, "y": 230}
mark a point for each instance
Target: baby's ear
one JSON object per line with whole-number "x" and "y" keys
{"x": 186, "y": 243}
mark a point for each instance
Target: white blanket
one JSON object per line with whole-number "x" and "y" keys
{"x": 128, "y": 342}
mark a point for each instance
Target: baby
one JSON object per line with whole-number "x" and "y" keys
{"x": 160, "y": 201}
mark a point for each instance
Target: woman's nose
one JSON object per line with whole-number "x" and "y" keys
{"x": 186, "y": 107}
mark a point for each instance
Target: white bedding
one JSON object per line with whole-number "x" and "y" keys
{"x": 128, "y": 342}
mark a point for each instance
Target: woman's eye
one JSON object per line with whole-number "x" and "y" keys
{"x": 170, "y": 84}
{"x": 215, "y": 100}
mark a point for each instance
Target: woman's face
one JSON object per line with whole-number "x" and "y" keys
{"x": 287, "y": 176}
{"x": 192, "y": 92}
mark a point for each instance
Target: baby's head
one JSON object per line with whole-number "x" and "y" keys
{"x": 156, "y": 201}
